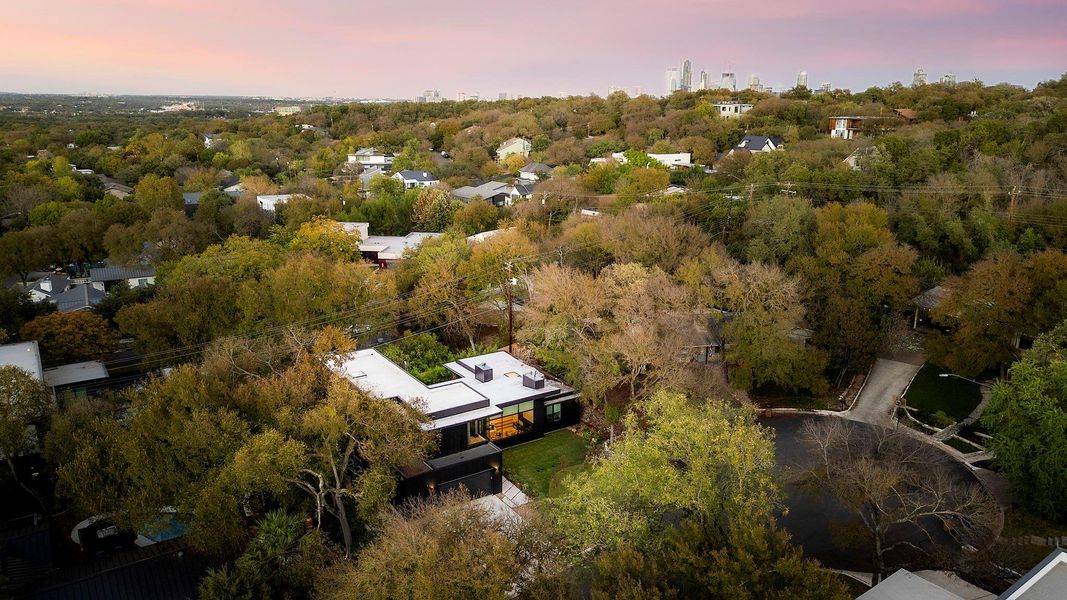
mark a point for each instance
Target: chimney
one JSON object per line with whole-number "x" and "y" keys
{"x": 483, "y": 373}
{"x": 533, "y": 380}
{"x": 46, "y": 283}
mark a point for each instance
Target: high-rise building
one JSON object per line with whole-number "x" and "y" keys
{"x": 430, "y": 96}
{"x": 824, "y": 88}
{"x": 687, "y": 75}
{"x": 703, "y": 83}
{"x": 672, "y": 82}
{"x": 754, "y": 84}
{"x": 802, "y": 79}
{"x": 949, "y": 79}
{"x": 918, "y": 78}
{"x": 728, "y": 81}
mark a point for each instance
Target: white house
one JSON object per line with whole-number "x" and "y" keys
{"x": 416, "y": 179}
{"x": 387, "y": 249}
{"x": 677, "y": 160}
{"x": 516, "y": 145}
{"x": 270, "y": 202}
{"x": 48, "y": 287}
{"x": 117, "y": 190}
{"x": 535, "y": 171}
{"x": 731, "y": 109}
{"x": 371, "y": 158}
{"x": 860, "y": 156}
{"x": 103, "y": 278}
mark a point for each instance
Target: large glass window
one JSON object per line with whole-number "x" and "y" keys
{"x": 513, "y": 420}
{"x": 476, "y": 433}
{"x": 554, "y": 412}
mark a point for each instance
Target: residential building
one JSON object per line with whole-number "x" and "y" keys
{"x": 47, "y": 287}
{"x": 494, "y": 401}
{"x": 759, "y": 143}
{"x": 918, "y": 78}
{"x": 859, "y": 156}
{"x": 535, "y": 171}
{"x": 687, "y": 76}
{"x": 117, "y": 189}
{"x": 105, "y": 277}
{"x": 368, "y": 174}
{"x": 361, "y": 230}
{"x": 515, "y": 145}
{"x": 270, "y": 202}
{"x": 907, "y": 114}
{"x": 210, "y": 139}
{"x": 76, "y": 380}
{"x": 416, "y": 179}
{"x": 732, "y": 109}
{"x": 385, "y": 250}
{"x": 496, "y": 193}
{"x": 522, "y": 190}
{"x": 728, "y": 81}
{"x": 802, "y": 79}
{"x": 78, "y": 297}
{"x": 672, "y": 81}
{"x": 24, "y": 355}
{"x": 286, "y": 111}
{"x": 190, "y": 202}
{"x": 847, "y": 128}
{"x": 1046, "y": 581}
{"x": 371, "y": 158}
{"x": 677, "y": 160}
{"x": 430, "y": 96}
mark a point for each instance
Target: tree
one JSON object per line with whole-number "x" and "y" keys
{"x": 22, "y": 252}
{"x": 328, "y": 238}
{"x": 413, "y": 157}
{"x": 153, "y": 192}
{"x": 26, "y": 404}
{"x": 448, "y": 549}
{"x": 70, "y": 337}
{"x": 706, "y": 461}
{"x": 477, "y": 216}
{"x": 434, "y": 210}
{"x": 898, "y": 487}
{"x": 16, "y": 309}
{"x": 1027, "y": 415}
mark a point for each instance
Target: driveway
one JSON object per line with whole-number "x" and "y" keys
{"x": 885, "y": 384}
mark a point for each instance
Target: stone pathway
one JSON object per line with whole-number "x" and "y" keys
{"x": 512, "y": 495}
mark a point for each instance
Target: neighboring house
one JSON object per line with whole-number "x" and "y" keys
{"x": 926, "y": 302}
{"x": 731, "y": 109}
{"x": 496, "y": 193}
{"x": 907, "y": 114}
{"x": 416, "y": 179}
{"x": 495, "y": 401}
{"x": 210, "y": 139}
{"x": 481, "y": 237}
{"x": 78, "y": 297}
{"x": 371, "y": 158}
{"x": 522, "y": 190}
{"x": 1046, "y": 581}
{"x": 24, "y": 355}
{"x": 75, "y": 380}
{"x": 385, "y": 250}
{"x": 270, "y": 202}
{"x": 191, "y": 200}
{"x": 368, "y": 174}
{"x": 846, "y": 128}
{"x": 355, "y": 228}
{"x": 236, "y": 188}
{"x": 117, "y": 190}
{"x": 535, "y": 171}
{"x": 860, "y": 156}
{"x": 516, "y": 145}
{"x": 759, "y": 143}
{"x": 677, "y": 160}
{"x": 104, "y": 278}
{"x": 48, "y": 287}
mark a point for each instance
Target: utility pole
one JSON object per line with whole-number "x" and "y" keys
{"x": 1011, "y": 205}
{"x": 510, "y": 294}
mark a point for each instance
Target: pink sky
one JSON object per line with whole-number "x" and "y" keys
{"x": 355, "y": 48}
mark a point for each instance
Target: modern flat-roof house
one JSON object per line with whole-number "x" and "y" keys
{"x": 495, "y": 401}
{"x": 385, "y": 250}
{"x": 416, "y": 179}
{"x": 270, "y": 202}
{"x": 24, "y": 355}
{"x": 846, "y": 128}
{"x": 677, "y": 160}
{"x": 105, "y": 277}
{"x": 731, "y": 109}
{"x": 515, "y": 145}
{"x": 371, "y": 158}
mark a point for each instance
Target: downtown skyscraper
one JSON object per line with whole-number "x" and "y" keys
{"x": 687, "y": 75}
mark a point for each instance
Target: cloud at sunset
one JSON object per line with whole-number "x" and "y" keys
{"x": 356, "y": 48}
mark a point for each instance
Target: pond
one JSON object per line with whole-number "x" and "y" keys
{"x": 814, "y": 518}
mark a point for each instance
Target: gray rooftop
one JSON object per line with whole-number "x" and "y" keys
{"x": 75, "y": 373}
{"x": 422, "y": 176}
{"x": 116, "y": 273}
{"x": 24, "y": 355}
{"x": 78, "y": 297}
{"x": 904, "y": 585}
{"x": 392, "y": 247}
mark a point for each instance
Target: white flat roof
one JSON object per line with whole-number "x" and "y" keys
{"x": 372, "y": 372}
{"x": 75, "y": 373}
{"x": 904, "y": 585}
{"x": 392, "y": 247}
{"x": 24, "y": 355}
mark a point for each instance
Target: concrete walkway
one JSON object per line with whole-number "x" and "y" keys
{"x": 878, "y": 400}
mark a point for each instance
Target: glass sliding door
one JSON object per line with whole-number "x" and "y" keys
{"x": 513, "y": 420}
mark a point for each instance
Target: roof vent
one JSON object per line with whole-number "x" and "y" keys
{"x": 483, "y": 373}
{"x": 533, "y": 380}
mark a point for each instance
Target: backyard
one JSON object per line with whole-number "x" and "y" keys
{"x": 930, "y": 394}
{"x": 540, "y": 466}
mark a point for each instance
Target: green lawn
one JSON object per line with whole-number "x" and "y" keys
{"x": 533, "y": 466}
{"x": 930, "y": 393}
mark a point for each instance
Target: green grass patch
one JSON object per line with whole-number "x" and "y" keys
{"x": 539, "y": 467}
{"x": 931, "y": 394}
{"x": 962, "y": 445}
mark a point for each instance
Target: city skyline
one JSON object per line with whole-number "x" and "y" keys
{"x": 272, "y": 49}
